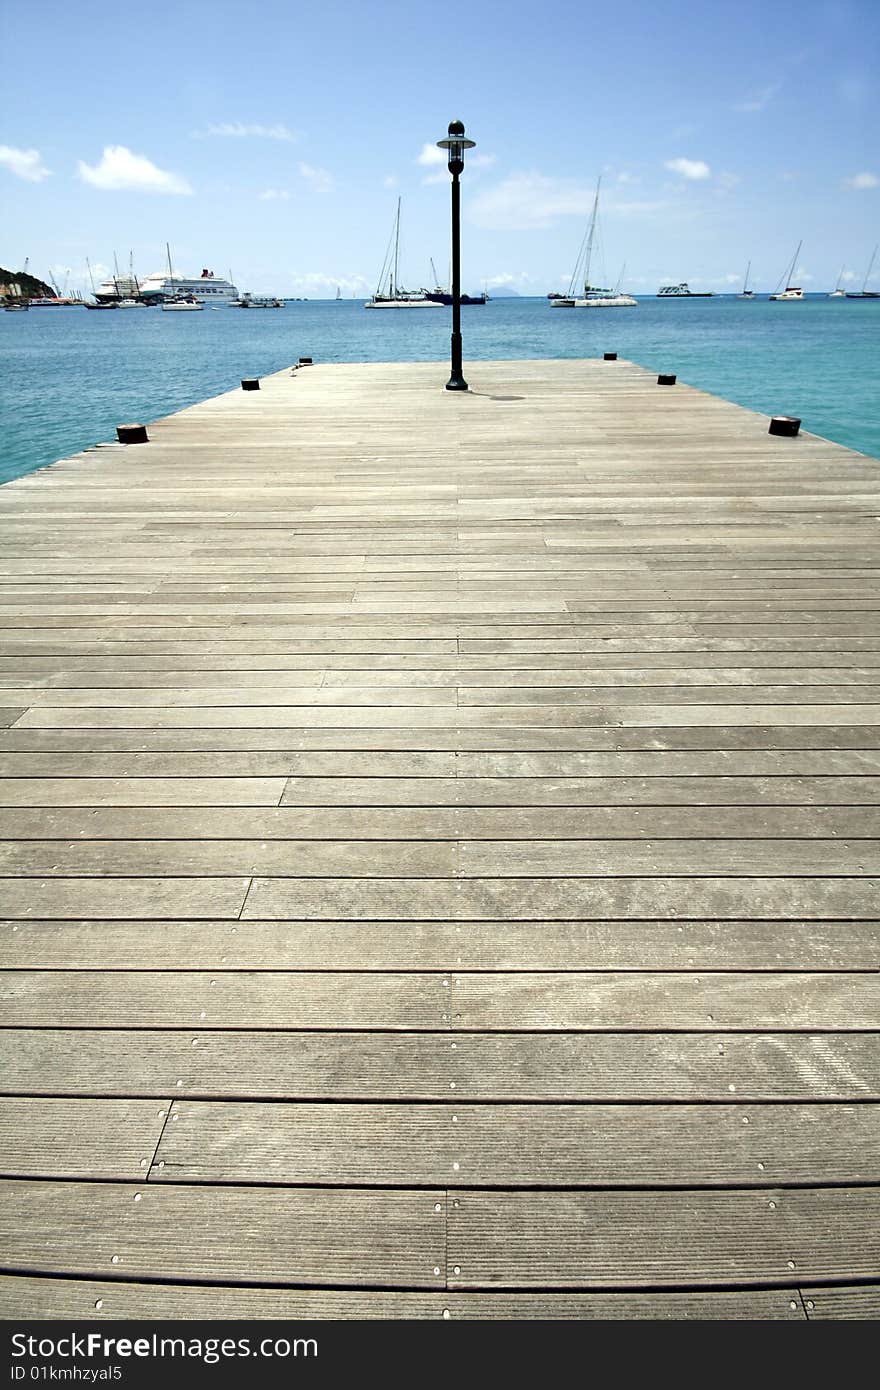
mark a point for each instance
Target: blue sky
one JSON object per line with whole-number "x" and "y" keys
{"x": 275, "y": 139}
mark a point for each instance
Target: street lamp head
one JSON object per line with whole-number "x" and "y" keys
{"x": 455, "y": 145}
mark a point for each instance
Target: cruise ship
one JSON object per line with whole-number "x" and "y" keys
{"x": 207, "y": 288}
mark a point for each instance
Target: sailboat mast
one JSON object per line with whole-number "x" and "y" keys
{"x": 746, "y": 280}
{"x": 396, "y": 251}
{"x": 170, "y": 269}
{"x": 589, "y": 248}
{"x": 793, "y": 264}
{"x": 868, "y": 271}
{"x": 91, "y": 276}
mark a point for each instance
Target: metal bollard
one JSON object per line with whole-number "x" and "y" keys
{"x": 132, "y": 434}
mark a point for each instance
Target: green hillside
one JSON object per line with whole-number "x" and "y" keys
{"x": 29, "y": 286}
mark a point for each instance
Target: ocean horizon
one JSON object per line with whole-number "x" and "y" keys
{"x": 68, "y": 377}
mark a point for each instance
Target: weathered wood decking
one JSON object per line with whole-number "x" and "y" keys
{"x": 439, "y": 864}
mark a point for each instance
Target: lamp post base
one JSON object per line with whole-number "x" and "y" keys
{"x": 456, "y": 380}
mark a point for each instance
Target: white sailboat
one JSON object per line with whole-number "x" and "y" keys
{"x": 864, "y": 292}
{"x": 178, "y": 303}
{"x": 389, "y": 294}
{"x": 593, "y": 297}
{"x": 745, "y": 292}
{"x": 838, "y": 292}
{"x": 791, "y": 291}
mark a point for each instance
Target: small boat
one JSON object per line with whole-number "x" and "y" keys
{"x": 838, "y": 292}
{"x": 178, "y": 303}
{"x": 251, "y": 301}
{"x": 864, "y": 292}
{"x": 394, "y": 297}
{"x": 593, "y": 297}
{"x": 683, "y": 291}
{"x": 745, "y": 292}
{"x": 442, "y": 297}
{"x": 18, "y": 307}
{"x": 790, "y": 291}
{"x": 182, "y": 304}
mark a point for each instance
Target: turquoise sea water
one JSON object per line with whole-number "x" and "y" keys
{"x": 68, "y": 377}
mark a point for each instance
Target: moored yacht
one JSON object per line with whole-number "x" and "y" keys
{"x": 389, "y": 294}
{"x": 791, "y": 291}
{"x": 593, "y": 297}
{"x": 864, "y": 292}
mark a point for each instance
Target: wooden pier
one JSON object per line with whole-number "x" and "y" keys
{"x": 439, "y": 865}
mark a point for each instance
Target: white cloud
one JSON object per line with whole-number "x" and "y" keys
{"x": 120, "y": 169}
{"x": 480, "y": 161}
{"x": 431, "y": 155}
{"x": 322, "y": 284}
{"x": 25, "y": 164}
{"x": 505, "y": 280}
{"x": 242, "y": 130}
{"x": 689, "y": 168}
{"x": 528, "y": 201}
{"x": 270, "y": 195}
{"x": 389, "y": 181}
{"x": 320, "y": 180}
{"x": 760, "y": 99}
{"x": 864, "y": 180}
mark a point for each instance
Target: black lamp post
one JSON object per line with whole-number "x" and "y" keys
{"x": 455, "y": 145}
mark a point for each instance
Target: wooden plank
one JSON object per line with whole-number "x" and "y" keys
{"x": 203, "y": 765}
{"x": 611, "y": 715}
{"x": 524, "y": 899}
{"x": 857, "y": 1301}
{"x": 142, "y": 791}
{"x": 583, "y": 791}
{"x": 515, "y": 1146}
{"x": 538, "y": 825}
{"x": 420, "y": 859}
{"x": 194, "y": 1000}
{"x": 439, "y": 945}
{"x": 43, "y": 1298}
{"x": 218, "y": 685}
{"x": 327, "y": 1065}
{"x": 143, "y": 898}
{"x": 519, "y": 858}
{"x": 593, "y": 1240}
{"x": 53, "y": 1138}
{"x": 196, "y": 668}
{"x": 704, "y": 1002}
{"x": 451, "y": 739}
{"x": 270, "y": 1235}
